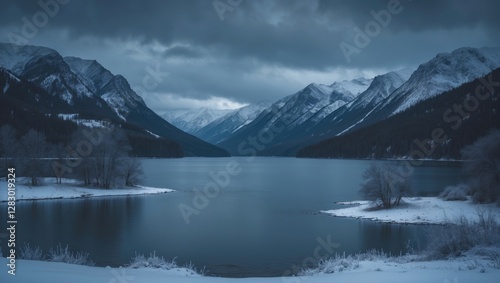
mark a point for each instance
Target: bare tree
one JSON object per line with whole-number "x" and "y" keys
{"x": 34, "y": 147}
{"x": 482, "y": 165}
{"x": 108, "y": 157}
{"x": 59, "y": 153}
{"x": 384, "y": 185}
{"x": 9, "y": 148}
{"x": 133, "y": 172}
{"x": 79, "y": 157}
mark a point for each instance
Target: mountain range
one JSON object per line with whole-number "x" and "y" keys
{"x": 319, "y": 120}
{"x": 85, "y": 91}
{"x": 319, "y": 112}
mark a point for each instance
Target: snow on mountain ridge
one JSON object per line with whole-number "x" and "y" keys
{"x": 446, "y": 71}
{"x": 45, "y": 67}
{"x": 93, "y": 74}
{"x": 193, "y": 120}
{"x": 355, "y": 86}
{"x": 15, "y": 58}
{"x": 220, "y": 128}
{"x": 336, "y": 95}
{"x": 118, "y": 94}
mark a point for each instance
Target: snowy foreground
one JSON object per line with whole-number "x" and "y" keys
{"x": 459, "y": 270}
{"x": 421, "y": 210}
{"x": 71, "y": 189}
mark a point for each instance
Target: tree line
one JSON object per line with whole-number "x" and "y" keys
{"x": 98, "y": 157}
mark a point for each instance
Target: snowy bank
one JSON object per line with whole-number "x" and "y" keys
{"x": 457, "y": 270}
{"x": 71, "y": 189}
{"x": 422, "y": 210}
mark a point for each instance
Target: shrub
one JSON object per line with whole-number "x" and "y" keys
{"x": 385, "y": 185}
{"x": 341, "y": 262}
{"x": 452, "y": 193}
{"x": 482, "y": 165}
{"x": 152, "y": 261}
{"x": 60, "y": 254}
{"x": 158, "y": 262}
{"x": 29, "y": 253}
{"x": 454, "y": 239}
{"x": 337, "y": 263}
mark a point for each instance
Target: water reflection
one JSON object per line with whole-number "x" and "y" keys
{"x": 95, "y": 225}
{"x": 261, "y": 224}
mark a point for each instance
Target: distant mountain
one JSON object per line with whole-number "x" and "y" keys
{"x": 291, "y": 112}
{"x": 89, "y": 91}
{"x": 308, "y": 117}
{"x": 221, "y": 128}
{"x": 432, "y": 128}
{"x": 193, "y": 120}
{"x": 442, "y": 73}
{"x": 346, "y": 116}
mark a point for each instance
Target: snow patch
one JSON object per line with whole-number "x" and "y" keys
{"x": 70, "y": 189}
{"x": 421, "y": 210}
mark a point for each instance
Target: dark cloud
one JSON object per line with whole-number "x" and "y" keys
{"x": 182, "y": 51}
{"x": 223, "y": 56}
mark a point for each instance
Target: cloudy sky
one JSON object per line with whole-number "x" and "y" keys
{"x": 227, "y": 53}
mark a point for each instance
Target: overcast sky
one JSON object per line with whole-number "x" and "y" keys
{"x": 227, "y": 53}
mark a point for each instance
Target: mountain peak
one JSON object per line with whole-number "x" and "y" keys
{"x": 118, "y": 94}
{"x": 447, "y": 71}
{"x": 193, "y": 120}
{"x": 352, "y": 87}
{"x": 15, "y": 57}
{"x": 90, "y": 72}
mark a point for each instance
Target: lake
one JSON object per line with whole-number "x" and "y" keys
{"x": 262, "y": 223}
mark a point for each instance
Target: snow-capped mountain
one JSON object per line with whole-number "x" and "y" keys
{"x": 89, "y": 90}
{"x": 221, "y": 128}
{"x": 309, "y": 119}
{"x": 118, "y": 94}
{"x": 292, "y": 111}
{"x": 354, "y": 112}
{"x": 381, "y": 87}
{"x": 398, "y": 136}
{"x": 115, "y": 90}
{"x": 45, "y": 68}
{"x": 446, "y": 71}
{"x": 328, "y": 120}
{"x": 193, "y": 120}
{"x": 90, "y": 72}
{"x": 443, "y": 73}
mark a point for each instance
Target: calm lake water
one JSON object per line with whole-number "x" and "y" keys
{"x": 261, "y": 224}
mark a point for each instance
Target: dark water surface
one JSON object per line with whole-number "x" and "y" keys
{"x": 261, "y": 224}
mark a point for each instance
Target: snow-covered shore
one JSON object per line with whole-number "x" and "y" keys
{"x": 457, "y": 270}
{"x": 421, "y": 210}
{"x": 70, "y": 189}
